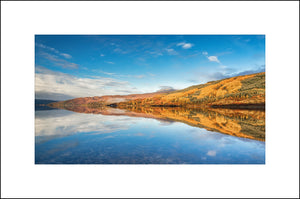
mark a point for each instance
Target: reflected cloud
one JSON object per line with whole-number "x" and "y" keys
{"x": 139, "y": 134}
{"x": 63, "y": 123}
{"x": 211, "y": 153}
{"x": 137, "y": 139}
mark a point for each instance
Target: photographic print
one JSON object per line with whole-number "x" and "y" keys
{"x": 149, "y": 99}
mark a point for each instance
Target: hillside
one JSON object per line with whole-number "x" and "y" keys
{"x": 247, "y": 90}
{"x": 101, "y": 101}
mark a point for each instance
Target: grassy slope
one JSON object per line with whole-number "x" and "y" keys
{"x": 241, "y": 90}
{"x": 94, "y": 102}
{"x": 247, "y": 89}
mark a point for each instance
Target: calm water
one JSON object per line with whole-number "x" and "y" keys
{"x": 66, "y": 137}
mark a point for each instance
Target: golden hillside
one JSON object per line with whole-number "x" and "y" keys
{"x": 240, "y": 90}
{"x": 100, "y": 101}
{"x": 240, "y": 123}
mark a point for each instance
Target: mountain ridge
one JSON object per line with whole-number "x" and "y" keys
{"x": 239, "y": 91}
{"x": 246, "y": 90}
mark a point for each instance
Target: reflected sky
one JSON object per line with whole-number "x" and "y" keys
{"x": 64, "y": 137}
{"x": 62, "y": 123}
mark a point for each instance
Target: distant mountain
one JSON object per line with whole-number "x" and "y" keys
{"x": 44, "y": 101}
{"x": 165, "y": 90}
{"x": 41, "y": 104}
{"x": 101, "y": 101}
{"x": 246, "y": 91}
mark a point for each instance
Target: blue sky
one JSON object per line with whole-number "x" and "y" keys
{"x": 70, "y": 66}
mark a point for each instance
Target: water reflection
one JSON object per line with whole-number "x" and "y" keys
{"x": 241, "y": 123}
{"x": 60, "y": 123}
{"x": 148, "y": 136}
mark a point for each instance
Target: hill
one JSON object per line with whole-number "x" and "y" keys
{"x": 241, "y": 91}
{"x": 246, "y": 91}
{"x": 95, "y": 102}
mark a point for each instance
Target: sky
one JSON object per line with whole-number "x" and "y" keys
{"x": 71, "y": 66}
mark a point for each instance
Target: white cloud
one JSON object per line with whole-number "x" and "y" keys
{"x": 156, "y": 53}
{"x": 106, "y": 73}
{"x": 152, "y": 75}
{"x": 102, "y": 55}
{"x": 47, "y": 48}
{"x": 121, "y": 75}
{"x": 47, "y": 81}
{"x": 202, "y": 76}
{"x": 59, "y": 62}
{"x": 66, "y": 55}
{"x": 109, "y": 62}
{"x": 171, "y": 51}
{"x": 120, "y": 51}
{"x": 130, "y": 76}
{"x": 185, "y": 45}
{"x": 213, "y": 59}
{"x": 211, "y": 153}
{"x": 139, "y": 76}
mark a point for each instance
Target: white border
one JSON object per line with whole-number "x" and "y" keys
{"x": 277, "y": 20}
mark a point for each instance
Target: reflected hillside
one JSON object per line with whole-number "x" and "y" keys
{"x": 241, "y": 123}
